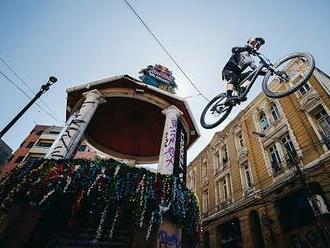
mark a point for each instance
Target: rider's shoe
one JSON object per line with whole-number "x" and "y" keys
{"x": 243, "y": 89}
{"x": 230, "y": 100}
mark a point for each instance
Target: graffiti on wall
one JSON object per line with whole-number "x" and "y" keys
{"x": 169, "y": 236}
{"x": 170, "y": 139}
{"x": 167, "y": 240}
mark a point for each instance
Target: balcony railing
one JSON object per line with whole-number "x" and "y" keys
{"x": 219, "y": 207}
{"x": 224, "y": 204}
{"x": 248, "y": 190}
{"x": 276, "y": 167}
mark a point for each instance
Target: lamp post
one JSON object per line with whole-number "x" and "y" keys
{"x": 43, "y": 89}
{"x": 320, "y": 223}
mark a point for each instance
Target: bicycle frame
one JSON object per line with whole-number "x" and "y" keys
{"x": 253, "y": 76}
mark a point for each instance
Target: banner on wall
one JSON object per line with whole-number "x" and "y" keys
{"x": 180, "y": 157}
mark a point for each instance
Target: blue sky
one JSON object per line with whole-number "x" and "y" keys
{"x": 82, "y": 41}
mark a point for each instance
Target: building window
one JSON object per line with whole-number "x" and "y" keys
{"x": 192, "y": 180}
{"x": 19, "y": 159}
{"x": 225, "y": 189}
{"x": 205, "y": 202}
{"x": 44, "y": 143}
{"x": 82, "y": 148}
{"x": 30, "y": 145}
{"x": 239, "y": 139}
{"x": 216, "y": 161}
{"x": 224, "y": 156}
{"x": 247, "y": 173}
{"x": 204, "y": 169}
{"x": 275, "y": 159}
{"x": 224, "y": 192}
{"x": 274, "y": 111}
{"x": 219, "y": 190}
{"x": 289, "y": 148}
{"x": 32, "y": 157}
{"x": 263, "y": 121}
{"x": 304, "y": 88}
{"x": 322, "y": 120}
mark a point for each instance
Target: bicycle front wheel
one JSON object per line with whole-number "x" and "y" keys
{"x": 215, "y": 112}
{"x": 291, "y": 72}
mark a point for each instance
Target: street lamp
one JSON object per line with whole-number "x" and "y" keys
{"x": 318, "y": 215}
{"x": 43, "y": 89}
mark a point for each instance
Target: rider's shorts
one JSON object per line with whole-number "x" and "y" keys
{"x": 233, "y": 77}
{"x": 230, "y": 77}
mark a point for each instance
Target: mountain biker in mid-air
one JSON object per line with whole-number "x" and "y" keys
{"x": 277, "y": 79}
{"x": 233, "y": 72}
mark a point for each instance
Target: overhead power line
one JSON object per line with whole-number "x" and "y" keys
{"x": 23, "y": 92}
{"x": 163, "y": 47}
{"x": 57, "y": 118}
{"x": 13, "y": 83}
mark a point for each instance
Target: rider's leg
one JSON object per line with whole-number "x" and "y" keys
{"x": 229, "y": 89}
{"x": 231, "y": 79}
{"x": 247, "y": 82}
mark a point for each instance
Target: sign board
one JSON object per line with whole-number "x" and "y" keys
{"x": 158, "y": 76}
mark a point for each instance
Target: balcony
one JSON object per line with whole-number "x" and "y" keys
{"x": 242, "y": 155}
{"x": 309, "y": 100}
{"x": 276, "y": 167}
{"x": 224, "y": 204}
{"x": 291, "y": 160}
{"x": 248, "y": 190}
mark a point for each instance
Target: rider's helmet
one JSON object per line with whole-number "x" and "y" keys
{"x": 255, "y": 43}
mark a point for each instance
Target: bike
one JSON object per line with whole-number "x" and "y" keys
{"x": 281, "y": 79}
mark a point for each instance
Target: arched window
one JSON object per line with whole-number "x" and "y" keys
{"x": 275, "y": 112}
{"x": 263, "y": 121}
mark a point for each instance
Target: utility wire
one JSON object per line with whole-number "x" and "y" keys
{"x": 32, "y": 91}
{"x": 163, "y": 47}
{"x": 15, "y": 85}
{"x": 23, "y": 92}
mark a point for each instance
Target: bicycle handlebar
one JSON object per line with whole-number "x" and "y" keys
{"x": 262, "y": 57}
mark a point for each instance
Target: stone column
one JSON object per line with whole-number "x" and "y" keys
{"x": 66, "y": 143}
{"x": 167, "y": 150}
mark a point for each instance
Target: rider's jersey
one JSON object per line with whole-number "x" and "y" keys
{"x": 240, "y": 60}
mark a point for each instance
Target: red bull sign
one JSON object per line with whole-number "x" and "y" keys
{"x": 158, "y": 76}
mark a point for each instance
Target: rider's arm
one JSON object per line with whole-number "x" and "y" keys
{"x": 239, "y": 49}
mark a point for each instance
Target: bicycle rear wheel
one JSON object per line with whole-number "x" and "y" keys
{"x": 291, "y": 73}
{"x": 215, "y": 112}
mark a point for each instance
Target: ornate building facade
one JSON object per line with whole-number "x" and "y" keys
{"x": 256, "y": 177}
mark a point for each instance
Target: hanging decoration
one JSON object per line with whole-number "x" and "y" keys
{"x": 108, "y": 189}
